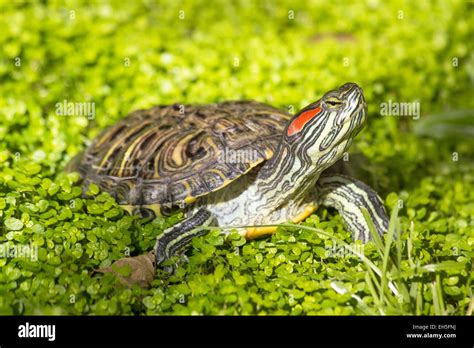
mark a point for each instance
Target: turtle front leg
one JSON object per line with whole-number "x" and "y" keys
{"x": 175, "y": 238}
{"x": 141, "y": 269}
{"x": 349, "y": 196}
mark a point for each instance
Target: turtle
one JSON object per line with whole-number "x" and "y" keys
{"x": 234, "y": 163}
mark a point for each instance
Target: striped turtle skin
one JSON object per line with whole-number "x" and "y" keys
{"x": 234, "y": 164}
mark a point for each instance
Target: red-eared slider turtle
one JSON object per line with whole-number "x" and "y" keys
{"x": 237, "y": 163}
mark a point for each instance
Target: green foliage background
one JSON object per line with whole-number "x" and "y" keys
{"x": 126, "y": 55}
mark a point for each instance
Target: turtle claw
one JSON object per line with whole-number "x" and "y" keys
{"x": 138, "y": 270}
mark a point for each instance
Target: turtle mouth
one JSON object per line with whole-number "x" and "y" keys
{"x": 355, "y": 123}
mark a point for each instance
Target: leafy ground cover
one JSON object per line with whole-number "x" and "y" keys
{"x": 123, "y": 57}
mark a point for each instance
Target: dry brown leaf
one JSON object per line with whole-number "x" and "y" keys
{"x": 139, "y": 270}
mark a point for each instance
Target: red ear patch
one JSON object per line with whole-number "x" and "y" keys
{"x": 298, "y": 123}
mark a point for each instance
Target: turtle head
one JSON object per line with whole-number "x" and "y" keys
{"x": 323, "y": 131}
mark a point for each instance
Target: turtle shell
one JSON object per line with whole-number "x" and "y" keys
{"x": 170, "y": 155}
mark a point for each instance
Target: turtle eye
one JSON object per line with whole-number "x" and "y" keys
{"x": 333, "y": 102}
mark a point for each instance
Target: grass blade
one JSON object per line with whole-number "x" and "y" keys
{"x": 388, "y": 243}
{"x": 375, "y": 236}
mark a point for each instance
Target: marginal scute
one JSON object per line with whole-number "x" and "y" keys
{"x": 172, "y": 155}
